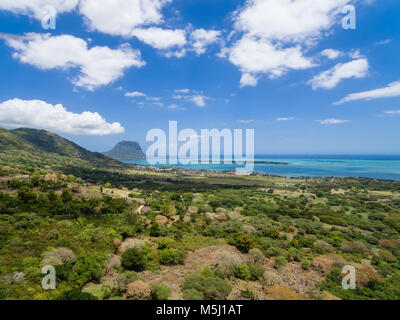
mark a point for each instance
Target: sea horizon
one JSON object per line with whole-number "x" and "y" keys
{"x": 364, "y": 166}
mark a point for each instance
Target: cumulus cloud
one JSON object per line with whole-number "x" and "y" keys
{"x": 135, "y": 94}
{"x": 121, "y": 17}
{"x": 331, "y": 53}
{"x": 199, "y": 100}
{"x": 331, "y": 78}
{"x": 34, "y": 8}
{"x": 332, "y": 121}
{"x": 275, "y": 34}
{"x": 161, "y": 38}
{"x": 248, "y": 79}
{"x": 254, "y": 56}
{"x": 97, "y": 66}
{"x": 202, "y": 38}
{"x": 392, "y": 90}
{"x": 196, "y": 97}
{"x": 41, "y": 115}
{"x": 291, "y": 21}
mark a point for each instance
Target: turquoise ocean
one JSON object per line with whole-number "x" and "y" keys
{"x": 377, "y": 167}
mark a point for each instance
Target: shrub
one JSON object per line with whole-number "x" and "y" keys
{"x": 155, "y": 230}
{"x": 346, "y": 247}
{"x": 280, "y": 261}
{"x": 321, "y": 246}
{"x": 171, "y": 257}
{"x": 306, "y": 264}
{"x": 212, "y": 288}
{"x": 121, "y": 281}
{"x": 76, "y": 294}
{"x": 164, "y": 243}
{"x": 360, "y": 247}
{"x": 160, "y": 292}
{"x": 272, "y": 279}
{"x": 242, "y": 272}
{"x": 386, "y": 255}
{"x": 192, "y": 294}
{"x": 256, "y": 272}
{"x": 138, "y": 290}
{"x": 58, "y": 256}
{"x": 247, "y": 294}
{"x": 89, "y": 269}
{"x": 244, "y": 242}
{"x": 256, "y": 256}
{"x": 134, "y": 259}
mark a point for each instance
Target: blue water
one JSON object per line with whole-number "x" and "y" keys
{"x": 377, "y": 167}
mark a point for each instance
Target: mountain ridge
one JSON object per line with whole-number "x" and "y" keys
{"x": 44, "y": 146}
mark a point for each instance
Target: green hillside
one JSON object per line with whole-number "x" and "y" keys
{"x": 40, "y": 147}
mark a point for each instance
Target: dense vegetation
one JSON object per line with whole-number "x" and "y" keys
{"x": 118, "y": 232}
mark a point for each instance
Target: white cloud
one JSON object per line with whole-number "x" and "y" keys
{"x": 203, "y": 38}
{"x": 175, "y": 107}
{"x": 182, "y": 91}
{"x": 331, "y": 78}
{"x": 154, "y": 99}
{"x": 34, "y": 8}
{"x": 285, "y": 119}
{"x": 197, "y": 97}
{"x": 161, "y": 38}
{"x": 199, "y": 100}
{"x": 355, "y": 54}
{"x": 331, "y": 53}
{"x": 98, "y": 66}
{"x": 41, "y": 115}
{"x": 255, "y": 56}
{"x": 332, "y": 121}
{"x": 121, "y": 17}
{"x": 248, "y": 80}
{"x": 392, "y": 90}
{"x": 135, "y": 94}
{"x": 289, "y": 20}
{"x": 392, "y": 112}
{"x": 245, "y": 121}
{"x": 276, "y": 33}
{"x": 383, "y": 42}
{"x": 176, "y": 54}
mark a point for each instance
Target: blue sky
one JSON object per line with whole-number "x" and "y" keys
{"x": 258, "y": 64}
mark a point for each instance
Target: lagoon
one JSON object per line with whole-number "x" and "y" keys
{"x": 368, "y": 166}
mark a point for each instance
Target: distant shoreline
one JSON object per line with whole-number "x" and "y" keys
{"x": 375, "y": 167}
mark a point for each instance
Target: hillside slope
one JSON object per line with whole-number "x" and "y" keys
{"x": 126, "y": 150}
{"x": 40, "y": 147}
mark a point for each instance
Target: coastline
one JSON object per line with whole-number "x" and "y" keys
{"x": 383, "y": 167}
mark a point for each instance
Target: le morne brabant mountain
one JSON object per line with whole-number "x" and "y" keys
{"x": 116, "y": 231}
{"x": 126, "y": 150}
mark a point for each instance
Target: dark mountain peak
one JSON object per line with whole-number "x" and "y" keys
{"x": 126, "y": 150}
